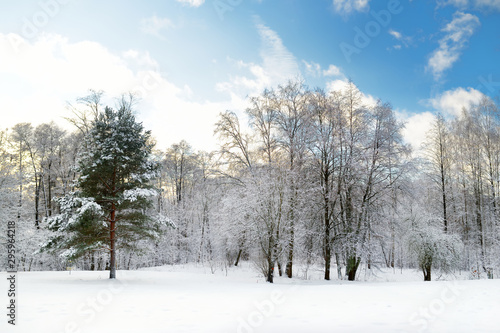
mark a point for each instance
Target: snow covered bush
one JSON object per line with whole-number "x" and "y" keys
{"x": 432, "y": 246}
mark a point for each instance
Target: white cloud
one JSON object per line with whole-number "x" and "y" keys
{"x": 340, "y": 85}
{"x": 140, "y": 60}
{"x": 451, "y": 102}
{"x": 395, "y": 34}
{"x": 332, "y": 71}
{"x": 348, "y": 6}
{"x": 52, "y": 64}
{"x": 155, "y": 25}
{"x": 337, "y": 85}
{"x": 38, "y": 80}
{"x": 457, "y": 34}
{"x": 192, "y": 3}
{"x": 416, "y": 127}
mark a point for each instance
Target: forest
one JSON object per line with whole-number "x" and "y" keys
{"x": 303, "y": 178}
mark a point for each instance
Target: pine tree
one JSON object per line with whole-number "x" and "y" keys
{"x": 109, "y": 209}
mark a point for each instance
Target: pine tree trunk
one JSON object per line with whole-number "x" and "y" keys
{"x": 112, "y": 268}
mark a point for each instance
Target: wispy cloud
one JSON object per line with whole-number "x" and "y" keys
{"x": 456, "y": 3}
{"x": 312, "y": 68}
{"x": 278, "y": 60}
{"x": 278, "y": 65}
{"x": 488, "y": 4}
{"x": 192, "y": 3}
{"x": 348, "y": 6}
{"x": 395, "y": 34}
{"x": 402, "y": 39}
{"x": 457, "y": 34}
{"x": 155, "y": 26}
{"x": 493, "y": 5}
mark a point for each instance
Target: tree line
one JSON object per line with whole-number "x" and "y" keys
{"x": 302, "y": 178}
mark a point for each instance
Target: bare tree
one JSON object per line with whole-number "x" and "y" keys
{"x": 438, "y": 151}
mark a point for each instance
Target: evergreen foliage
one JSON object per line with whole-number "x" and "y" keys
{"x": 114, "y": 190}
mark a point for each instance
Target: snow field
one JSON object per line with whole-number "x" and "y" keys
{"x": 191, "y": 299}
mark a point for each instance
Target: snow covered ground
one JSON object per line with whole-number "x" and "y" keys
{"x": 192, "y": 299}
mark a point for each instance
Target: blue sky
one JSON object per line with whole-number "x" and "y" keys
{"x": 191, "y": 59}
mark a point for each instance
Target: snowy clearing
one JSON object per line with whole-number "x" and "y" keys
{"x": 191, "y": 299}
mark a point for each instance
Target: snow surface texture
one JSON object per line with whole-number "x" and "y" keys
{"x": 191, "y": 299}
